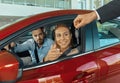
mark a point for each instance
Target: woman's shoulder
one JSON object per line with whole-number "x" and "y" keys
{"x": 73, "y": 51}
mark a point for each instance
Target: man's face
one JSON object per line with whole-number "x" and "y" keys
{"x": 38, "y": 36}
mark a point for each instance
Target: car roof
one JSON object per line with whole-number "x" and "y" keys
{"x": 35, "y": 18}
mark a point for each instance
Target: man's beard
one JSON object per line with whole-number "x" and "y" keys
{"x": 40, "y": 43}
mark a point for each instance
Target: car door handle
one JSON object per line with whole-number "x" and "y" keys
{"x": 79, "y": 78}
{"x": 84, "y": 77}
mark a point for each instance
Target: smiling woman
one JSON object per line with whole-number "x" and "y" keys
{"x": 63, "y": 43}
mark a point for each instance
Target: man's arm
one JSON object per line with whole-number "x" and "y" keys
{"x": 84, "y": 19}
{"x": 27, "y": 45}
{"x": 107, "y": 12}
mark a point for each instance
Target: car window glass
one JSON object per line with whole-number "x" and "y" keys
{"x": 109, "y": 32}
{"x": 24, "y": 37}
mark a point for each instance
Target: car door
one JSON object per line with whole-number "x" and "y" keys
{"x": 109, "y": 51}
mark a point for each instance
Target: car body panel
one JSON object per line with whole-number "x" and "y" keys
{"x": 111, "y": 57}
{"x": 63, "y": 67}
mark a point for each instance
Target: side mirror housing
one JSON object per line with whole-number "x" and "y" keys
{"x": 10, "y": 70}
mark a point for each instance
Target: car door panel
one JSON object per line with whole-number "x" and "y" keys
{"x": 65, "y": 71}
{"x": 111, "y": 57}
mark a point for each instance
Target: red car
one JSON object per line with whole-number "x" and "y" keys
{"x": 98, "y": 60}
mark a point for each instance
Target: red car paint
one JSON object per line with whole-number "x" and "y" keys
{"x": 95, "y": 68}
{"x": 7, "y": 68}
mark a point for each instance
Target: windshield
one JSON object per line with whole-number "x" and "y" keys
{"x": 5, "y": 24}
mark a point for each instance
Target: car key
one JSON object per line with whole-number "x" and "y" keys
{"x": 77, "y": 35}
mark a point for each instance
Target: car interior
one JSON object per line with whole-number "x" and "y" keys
{"x": 48, "y": 29}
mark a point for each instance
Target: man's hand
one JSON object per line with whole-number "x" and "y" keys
{"x": 82, "y": 20}
{"x": 9, "y": 46}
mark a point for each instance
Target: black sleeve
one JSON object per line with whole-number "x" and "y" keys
{"x": 109, "y": 11}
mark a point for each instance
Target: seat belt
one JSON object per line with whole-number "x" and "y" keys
{"x": 65, "y": 53}
{"x": 36, "y": 53}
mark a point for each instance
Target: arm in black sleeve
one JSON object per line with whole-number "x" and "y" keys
{"x": 109, "y": 11}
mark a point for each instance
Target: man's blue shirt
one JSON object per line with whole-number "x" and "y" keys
{"x": 30, "y": 46}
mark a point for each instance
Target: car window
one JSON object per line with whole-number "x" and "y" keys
{"x": 109, "y": 32}
{"x": 24, "y": 37}
{"x": 25, "y": 56}
{"x": 25, "y": 34}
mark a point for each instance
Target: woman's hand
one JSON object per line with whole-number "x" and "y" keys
{"x": 53, "y": 53}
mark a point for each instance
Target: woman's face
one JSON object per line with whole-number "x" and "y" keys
{"x": 63, "y": 37}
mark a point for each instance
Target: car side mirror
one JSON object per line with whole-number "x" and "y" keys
{"x": 10, "y": 70}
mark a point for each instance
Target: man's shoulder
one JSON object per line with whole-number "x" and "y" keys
{"x": 30, "y": 40}
{"x": 48, "y": 41}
